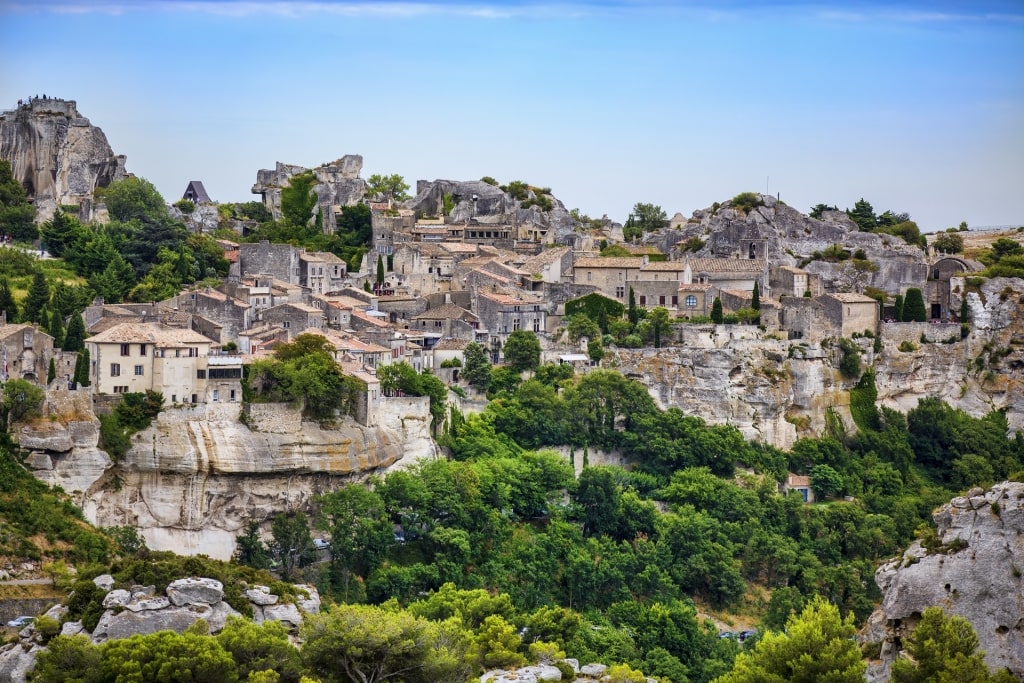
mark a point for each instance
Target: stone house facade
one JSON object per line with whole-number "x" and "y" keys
{"x": 294, "y": 317}
{"x": 612, "y": 276}
{"x": 25, "y": 353}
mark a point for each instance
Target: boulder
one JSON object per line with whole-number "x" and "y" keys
{"x": 260, "y": 595}
{"x": 71, "y": 628}
{"x": 197, "y": 590}
{"x": 287, "y": 614}
{"x": 16, "y": 661}
{"x": 127, "y": 622}
{"x": 116, "y": 598}
{"x": 147, "y": 604}
{"x": 593, "y": 670}
{"x": 310, "y": 605}
{"x": 104, "y": 582}
{"x": 219, "y": 616}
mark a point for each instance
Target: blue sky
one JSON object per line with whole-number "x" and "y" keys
{"x": 916, "y": 106}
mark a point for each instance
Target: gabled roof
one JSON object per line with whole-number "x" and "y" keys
{"x": 727, "y": 265}
{"x": 664, "y": 266}
{"x": 609, "y": 262}
{"x": 446, "y": 312}
{"x": 508, "y": 299}
{"x": 149, "y": 333}
{"x": 851, "y": 298}
{"x": 451, "y": 344}
{"x": 197, "y": 191}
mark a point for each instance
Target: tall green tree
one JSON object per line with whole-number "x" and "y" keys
{"x": 169, "y": 656}
{"x": 7, "y": 303}
{"x": 38, "y": 297}
{"x": 522, "y": 350}
{"x": 115, "y": 281}
{"x": 56, "y": 329}
{"x": 643, "y": 219}
{"x": 913, "y": 306}
{"x": 354, "y": 224}
{"x": 898, "y": 306}
{"x": 477, "y": 368}
{"x": 250, "y": 549}
{"x": 16, "y": 213}
{"x": 660, "y": 323}
{"x": 717, "y": 316}
{"x": 134, "y": 198}
{"x": 293, "y": 544}
{"x": 380, "y": 270}
{"x": 82, "y": 370}
{"x": 62, "y": 233}
{"x": 863, "y": 214}
{"x": 755, "y": 299}
{"x": 818, "y": 645}
{"x": 51, "y": 372}
{"x": 74, "y": 338}
{"x": 391, "y": 186}
{"x": 632, "y": 312}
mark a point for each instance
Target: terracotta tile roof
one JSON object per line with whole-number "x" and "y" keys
{"x": 727, "y": 265}
{"x": 851, "y": 298}
{"x": 694, "y": 287}
{"x": 536, "y": 263}
{"x": 450, "y": 344}
{"x": 361, "y": 315}
{"x": 446, "y": 312}
{"x": 458, "y": 247}
{"x": 664, "y": 266}
{"x": 511, "y": 299}
{"x": 610, "y": 262}
{"x": 149, "y": 333}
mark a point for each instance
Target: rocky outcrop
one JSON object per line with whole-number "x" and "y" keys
{"x": 57, "y": 155}
{"x": 337, "y": 185}
{"x": 973, "y": 571}
{"x": 140, "y": 611}
{"x": 493, "y": 206}
{"x": 192, "y": 480}
{"x": 785, "y": 236}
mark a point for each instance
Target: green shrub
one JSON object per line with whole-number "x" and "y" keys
{"x": 849, "y": 365}
{"x": 185, "y": 205}
{"x": 746, "y": 201}
{"x": 907, "y": 346}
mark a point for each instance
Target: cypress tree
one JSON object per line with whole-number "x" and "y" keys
{"x": 38, "y": 297}
{"x": 716, "y": 312}
{"x": 755, "y": 299}
{"x": 964, "y": 312}
{"x": 82, "y": 369}
{"x": 7, "y": 302}
{"x": 899, "y": 308}
{"x": 632, "y": 312}
{"x": 74, "y": 338}
{"x": 56, "y": 329}
{"x": 380, "y": 269}
{"x": 913, "y": 306}
{"x": 51, "y": 372}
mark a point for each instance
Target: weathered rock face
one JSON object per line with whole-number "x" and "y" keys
{"x": 56, "y": 154}
{"x": 778, "y": 390}
{"x": 785, "y": 237}
{"x": 338, "y": 184}
{"x": 975, "y": 575}
{"x": 493, "y": 206}
{"x": 193, "y": 479}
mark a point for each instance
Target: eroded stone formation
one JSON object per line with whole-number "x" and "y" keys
{"x": 57, "y": 155}
{"x": 972, "y": 569}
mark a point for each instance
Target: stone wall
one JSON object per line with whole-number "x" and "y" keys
{"x": 273, "y": 418}
{"x": 912, "y": 332}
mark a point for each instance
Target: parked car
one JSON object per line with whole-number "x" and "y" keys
{"x": 321, "y": 544}
{"x": 20, "y": 622}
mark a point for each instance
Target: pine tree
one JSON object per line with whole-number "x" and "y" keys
{"x": 38, "y": 297}
{"x": 51, "y": 372}
{"x": 74, "y": 338}
{"x": 7, "y": 302}
{"x": 81, "y": 377}
{"x": 755, "y": 299}
{"x": 716, "y": 312}
{"x": 56, "y": 329}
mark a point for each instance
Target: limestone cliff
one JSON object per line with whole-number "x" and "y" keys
{"x": 787, "y": 237}
{"x": 337, "y": 185}
{"x": 57, "y": 155}
{"x": 193, "y": 478}
{"x": 972, "y": 570}
{"x": 777, "y": 390}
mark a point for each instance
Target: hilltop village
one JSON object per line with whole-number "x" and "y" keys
{"x": 496, "y": 411}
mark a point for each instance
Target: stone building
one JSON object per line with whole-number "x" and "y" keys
{"x": 280, "y": 261}
{"x": 503, "y": 312}
{"x": 294, "y": 317}
{"x": 792, "y": 281}
{"x": 136, "y": 357}
{"x": 25, "y": 352}
{"x": 610, "y": 275}
{"x": 446, "y": 320}
{"x": 848, "y": 313}
{"x": 229, "y": 316}
{"x": 695, "y": 299}
{"x": 322, "y": 272}
{"x": 937, "y": 291}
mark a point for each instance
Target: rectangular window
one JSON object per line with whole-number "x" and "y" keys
{"x": 643, "y": 300}
{"x": 200, "y": 374}
{"x": 620, "y": 292}
{"x": 225, "y": 373}
{"x": 589, "y": 276}
{"x": 115, "y": 369}
{"x": 232, "y": 395}
{"x": 139, "y": 371}
{"x": 125, "y": 349}
{"x": 142, "y": 349}
{"x": 675, "y": 300}
{"x": 216, "y": 394}
{"x": 287, "y": 324}
{"x": 515, "y": 324}
{"x": 121, "y": 390}
{"x": 661, "y": 300}
{"x": 536, "y": 324}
